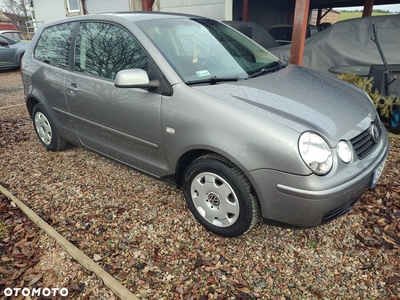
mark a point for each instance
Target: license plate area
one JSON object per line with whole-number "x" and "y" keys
{"x": 377, "y": 173}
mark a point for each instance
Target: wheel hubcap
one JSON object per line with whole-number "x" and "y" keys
{"x": 215, "y": 199}
{"x": 43, "y": 128}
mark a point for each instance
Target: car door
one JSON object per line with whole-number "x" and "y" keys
{"x": 51, "y": 54}
{"x": 122, "y": 123}
{"x": 7, "y": 53}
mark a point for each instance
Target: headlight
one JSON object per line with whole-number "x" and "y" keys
{"x": 345, "y": 151}
{"x": 315, "y": 152}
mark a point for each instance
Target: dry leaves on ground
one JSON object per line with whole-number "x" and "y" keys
{"x": 21, "y": 252}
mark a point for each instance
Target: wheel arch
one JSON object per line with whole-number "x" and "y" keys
{"x": 188, "y": 157}
{"x": 30, "y": 104}
{"x": 19, "y": 58}
{"x": 185, "y": 160}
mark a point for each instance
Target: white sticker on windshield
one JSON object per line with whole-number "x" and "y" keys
{"x": 203, "y": 73}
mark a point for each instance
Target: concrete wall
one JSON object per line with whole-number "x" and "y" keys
{"x": 49, "y": 10}
{"x": 101, "y": 6}
{"x": 214, "y": 9}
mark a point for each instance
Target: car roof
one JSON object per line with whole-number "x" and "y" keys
{"x": 5, "y": 31}
{"x": 129, "y": 16}
{"x": 139, "y": 16}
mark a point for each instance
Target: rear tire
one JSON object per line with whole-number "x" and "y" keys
{"x": 394, "y": 120}
{"x": 46, "y": 130}
{"x": 220, "y": 196}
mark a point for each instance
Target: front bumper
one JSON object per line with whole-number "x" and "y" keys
{"x": 285, "y": 199}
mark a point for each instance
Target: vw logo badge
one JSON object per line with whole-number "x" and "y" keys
{"x": 373, "y": 131}
{"x": 214, "y": 199}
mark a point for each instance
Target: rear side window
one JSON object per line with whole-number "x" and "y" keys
{"x": 54, "y": 44}
{"x": 103, "y": 49}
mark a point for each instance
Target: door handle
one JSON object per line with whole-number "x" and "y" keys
{"x": 73, "y": 88}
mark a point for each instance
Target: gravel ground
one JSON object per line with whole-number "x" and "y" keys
{"x": 141, "y": 232}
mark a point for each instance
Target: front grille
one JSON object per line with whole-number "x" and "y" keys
{"x": 363, "y": 143}
{"x": 336, "y": 213}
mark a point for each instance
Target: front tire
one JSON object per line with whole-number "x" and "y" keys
{"x": 45, "y": 129}
{"x": 220, "y": 196}
{"x": 394, "y": 120}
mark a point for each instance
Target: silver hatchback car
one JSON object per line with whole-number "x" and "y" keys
{"x": 194, "y": 102}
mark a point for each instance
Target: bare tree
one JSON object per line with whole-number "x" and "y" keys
{"x": 15, "y": 7}
{"x": 17, "y": 11}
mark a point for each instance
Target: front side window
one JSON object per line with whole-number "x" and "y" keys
{"x": 103, "y": 49}
{"x": 54, "y": 44}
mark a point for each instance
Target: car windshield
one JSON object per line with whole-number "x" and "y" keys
{"x": 204, "y": 49}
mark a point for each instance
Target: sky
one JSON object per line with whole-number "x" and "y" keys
{"x": 390, "y": 7}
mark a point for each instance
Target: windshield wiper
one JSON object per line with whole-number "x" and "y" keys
{"x": 212, "y": 80}
{"x": 268, "y": 70}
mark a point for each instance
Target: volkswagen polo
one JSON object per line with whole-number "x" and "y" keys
{"x": 194, "y": 102}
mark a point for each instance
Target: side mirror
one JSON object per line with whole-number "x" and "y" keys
{"x": 4, "y": 43}
{"x": 134, "y": 78}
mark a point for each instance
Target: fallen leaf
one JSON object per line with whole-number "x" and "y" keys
{"x": 140, "y": 266}
{"x": 270, "y": 281}
{"x": 96, "y": 257}
{"x": 392, "y": 280}
{"x": 387, "y": 267}
{"x": 376, "y": 230}
{"x": 5, "y": 258}
{"x": 74, "y": 286}
{"x": 6, "y": 272}
{"x": 244, "y": 290}
{"x": 36, "y": 279}
{"x": 20, "y": 265}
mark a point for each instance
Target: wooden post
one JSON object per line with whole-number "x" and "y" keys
{"x": 245, "y": 16}
{"x": 368, "y": 5}
{"x": 299, "y": 31}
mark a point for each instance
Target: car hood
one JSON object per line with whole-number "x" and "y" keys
{"x": 302, "y": 99}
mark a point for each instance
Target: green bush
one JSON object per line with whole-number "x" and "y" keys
{"x": 382, "y": 103}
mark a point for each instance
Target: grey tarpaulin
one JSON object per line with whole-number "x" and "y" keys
{"x": 348, "y": 43}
